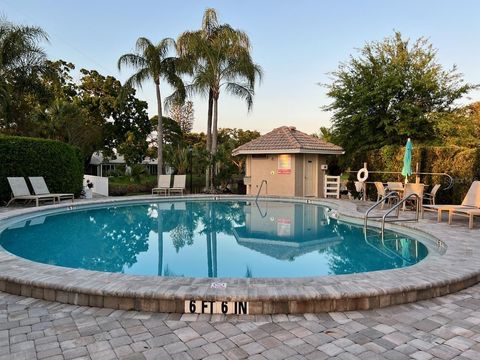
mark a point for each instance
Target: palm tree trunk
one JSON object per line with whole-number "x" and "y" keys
{"x": 214, "y": 137}
{"x": 159, "y": 130}
{"x": 209, "y": 138}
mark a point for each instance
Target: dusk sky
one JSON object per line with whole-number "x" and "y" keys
{"x": 295, "y": 42}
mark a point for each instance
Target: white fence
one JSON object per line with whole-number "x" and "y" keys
{"x": 100, "y": 184}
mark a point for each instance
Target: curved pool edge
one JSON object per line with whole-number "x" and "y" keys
{"x": 457, "y": 268}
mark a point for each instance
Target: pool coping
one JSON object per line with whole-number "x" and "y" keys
{"x": 439, "y": 274}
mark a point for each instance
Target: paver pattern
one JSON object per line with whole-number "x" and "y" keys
{"x": 442, "y": 328}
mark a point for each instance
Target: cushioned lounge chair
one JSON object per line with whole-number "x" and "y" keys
{"x": 471, "y": 201}
{"x": 178, "y": 184}
{"x": 40, "y": 187}
{"x": 20, "y": 191}
{"x": 163, "y": 185}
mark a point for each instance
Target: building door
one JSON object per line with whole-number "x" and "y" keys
{"x": 309, "y": 220}
{"x": 310, "y": 178}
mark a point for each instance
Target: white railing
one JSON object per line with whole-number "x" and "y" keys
{"x": 100, "y": 184}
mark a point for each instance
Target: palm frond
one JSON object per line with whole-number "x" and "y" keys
{"x": 242, "y": 91}
{"x": 137, "y": 79}
{"x": 142, "y": 44}
{"x": 136, "y": 61}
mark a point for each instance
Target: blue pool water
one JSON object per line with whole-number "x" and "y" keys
{"x": 209, "y": 238}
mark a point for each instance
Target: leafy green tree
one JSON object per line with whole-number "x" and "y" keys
{"x": 153, "y": 62}
{"x": 229, "y": 166}
{"x": 69, "y": 123}
{"x": 386, "y": 94}
{"x": 122, "y": 117}
{"x": 460, "y": 127}
{"x": 220, "y": 58}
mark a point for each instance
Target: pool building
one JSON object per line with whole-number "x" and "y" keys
{"x": 288, "y": 162}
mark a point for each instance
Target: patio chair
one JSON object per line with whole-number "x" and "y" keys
{"x": 471, "y": 201}
{"x": 430, "y": 197}
{"x": 163, "y": 184}
{"x": 178, "y": 184}
{"x": 381, "y": 192}
{"x": 40, "y": 188}
{"x": 414, "y": 188}
{"x": 20, "y": 191}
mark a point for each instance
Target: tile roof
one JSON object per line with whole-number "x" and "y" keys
{"x": 287, "y": 139}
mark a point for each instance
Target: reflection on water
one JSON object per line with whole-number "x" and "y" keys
{"x": 199, "y": 238}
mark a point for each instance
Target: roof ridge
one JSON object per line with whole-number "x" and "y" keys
{"x": 289, "y": 132}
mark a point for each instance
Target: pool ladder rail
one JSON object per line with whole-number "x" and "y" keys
{"x": 260, "y": 189}
{"x": 387, "y": 216}
{"x": 258, "y": 194}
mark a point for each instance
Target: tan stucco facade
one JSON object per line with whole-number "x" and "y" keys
{"x": 286, "y": 174}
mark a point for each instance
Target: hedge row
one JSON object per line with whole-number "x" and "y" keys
{"x": 463, "y": 164}
{"x": 60, "y": 164}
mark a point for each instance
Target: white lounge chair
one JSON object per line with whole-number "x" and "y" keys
{"x": 40, "y": 188}
{"x": 163, "y": 184}
{"x": 471, "y": 201}
{"x": 178, "y": 184}
{"x": 20, "y": 191}
{"x": 469, "y": 213}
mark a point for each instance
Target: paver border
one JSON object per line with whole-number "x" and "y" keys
{"x": 455, "y": 267}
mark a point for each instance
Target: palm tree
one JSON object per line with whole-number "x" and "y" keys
{"x": 153, "y": 62}
{"x": 19, "y": 53}
{"x": 220, "y": 57}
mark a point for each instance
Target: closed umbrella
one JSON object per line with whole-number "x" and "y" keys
{"x": 407, "y": 160}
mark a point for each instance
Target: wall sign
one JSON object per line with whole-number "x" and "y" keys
{"x": 284, "y": 164}
{"x": 216, "y": 307}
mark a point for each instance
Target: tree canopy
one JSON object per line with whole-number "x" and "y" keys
{"x": 390, "y": 92}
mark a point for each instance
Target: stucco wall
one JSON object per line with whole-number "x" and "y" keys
{"x": 265, "y": 167}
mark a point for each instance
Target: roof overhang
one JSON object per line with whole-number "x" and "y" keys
{"x": 287, "y": 151}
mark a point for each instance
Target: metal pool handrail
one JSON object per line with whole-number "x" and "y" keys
{"x": 260, "y": 188}
{"x": 392, "y": 194}
{"x": 397, "y": 207}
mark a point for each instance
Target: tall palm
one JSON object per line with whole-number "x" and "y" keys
{"x": 220, "y": 58}
{"x": 19, "y": 53}
{"x": 153, "y": 62}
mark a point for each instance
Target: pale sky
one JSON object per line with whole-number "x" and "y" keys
{"x": 297, "y": 43}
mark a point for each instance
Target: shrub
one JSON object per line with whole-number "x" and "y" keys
{"x": 60, "y": 164}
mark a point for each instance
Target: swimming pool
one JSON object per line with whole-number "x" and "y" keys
{"x": 205, "y": 238}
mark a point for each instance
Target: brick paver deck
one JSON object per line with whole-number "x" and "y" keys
{"x": 442, "y": 328}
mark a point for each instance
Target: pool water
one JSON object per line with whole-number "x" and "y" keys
{"x": 209, "y": 239}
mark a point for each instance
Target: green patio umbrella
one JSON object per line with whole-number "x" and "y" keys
{"x": 407, "y": 160}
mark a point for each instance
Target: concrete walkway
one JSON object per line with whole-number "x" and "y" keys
{"x": 442, "y": 328}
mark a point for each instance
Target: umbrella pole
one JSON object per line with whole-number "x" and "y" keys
{"x": 417, "y": 176}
